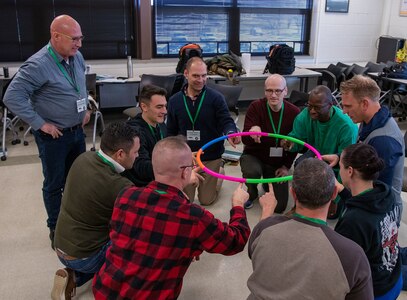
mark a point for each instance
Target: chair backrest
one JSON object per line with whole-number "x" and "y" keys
{"x": 91, "y": 84}
{"x": 358, "y": 70}
{"x": 328, "y": 79}
{"x": 298, "y": 98}
{"x": 374, "y": 67}
{"x": 348, "y": 69}
{"x": 230, "y": 92}
{"x": 165, "y": 82}
{"x": 1, "y": 90}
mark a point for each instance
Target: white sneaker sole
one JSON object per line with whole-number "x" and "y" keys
{"x": 58, "y": 289}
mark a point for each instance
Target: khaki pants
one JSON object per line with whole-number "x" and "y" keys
{"x": 207, "y": 191}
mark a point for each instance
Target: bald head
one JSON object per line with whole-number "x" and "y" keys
{"x": 63, "y": 23}
{"x": 276, "y": 79}
{"x": 170, "y": 157}
{"x": 66, "y": 36}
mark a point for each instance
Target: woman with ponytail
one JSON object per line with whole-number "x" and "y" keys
{"x": 370, "y": 217}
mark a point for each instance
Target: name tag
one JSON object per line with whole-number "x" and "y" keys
{"x": 276, "y": 152}
{"x": 193, "y": 135}
{"x": 81, "y": 105}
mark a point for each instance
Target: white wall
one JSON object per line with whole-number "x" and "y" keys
{"x": 397, "y": 25}
{"x": 347, "y": 37}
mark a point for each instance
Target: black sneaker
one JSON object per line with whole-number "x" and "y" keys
{"x": 51, "y": 237}
{"x": 248, "y": 204}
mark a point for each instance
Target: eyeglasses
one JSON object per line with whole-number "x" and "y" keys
{"x": 73, "y": 39}
{"x": 193, "y": 166}
{"x": 316, "y": 107}
{"x": 277, "y": 91}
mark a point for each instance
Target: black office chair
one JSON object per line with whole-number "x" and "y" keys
{"x": 373, "y": 67}
{"x": 347, "y": 71}
{"x": 231, "y": 94}
{"x": 299, "y": 99}
{"x": 357, "y": 70}
{"x": 171, "y": 83}
{"x": 332, "y": 78}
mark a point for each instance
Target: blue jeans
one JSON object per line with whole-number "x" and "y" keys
{"x": 394, "y": 292}
{"x": 403, "y": 255}
{"x": 57, "y": 156}
{"x": 85, "y": 268}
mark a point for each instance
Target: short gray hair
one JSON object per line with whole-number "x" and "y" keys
{"x": 313, "y": 183}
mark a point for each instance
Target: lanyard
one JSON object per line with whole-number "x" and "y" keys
{"x": 154, "y": 134}
{"x": 193, "y": 120}
{"x": 318, "y": 221}
{"x": 63, "y": 70}
{"x": 279, "y": 121}
{"x": 106, "y": 161}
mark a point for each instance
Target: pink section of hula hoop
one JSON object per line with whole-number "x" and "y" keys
{"x": 313, "y": 150}
{"x": 247, "y": 133}
{"x": 221, "y": 176}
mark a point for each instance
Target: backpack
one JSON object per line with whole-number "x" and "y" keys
{"x": 280, "y": 60}
{"x": 185, "y": 53}
{"x": 396, "y": 71}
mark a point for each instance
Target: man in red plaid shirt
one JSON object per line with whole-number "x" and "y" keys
{"x": 156, "y": 233}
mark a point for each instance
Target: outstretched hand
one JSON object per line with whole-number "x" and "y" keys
{"x": 268, "y": 203}
{"x": 331, "y": 159}
{"x": 240, "y": 196}
{"x": 286, "y": 144}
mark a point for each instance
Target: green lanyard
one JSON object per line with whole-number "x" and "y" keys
{"x": 63, "y": 70}
{"x": 193, "y": 120}
{"x": 153, "y": 133}
{"x": 318, "y": 221}
{"x": 279, "y": 121}
{"x": 106, "y": 161}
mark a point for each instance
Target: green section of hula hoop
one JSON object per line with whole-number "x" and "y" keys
{"x": 288, "y": 138}
{"x": 269, "y": 180}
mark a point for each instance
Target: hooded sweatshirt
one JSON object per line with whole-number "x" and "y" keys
{"x": 370, "y": 220}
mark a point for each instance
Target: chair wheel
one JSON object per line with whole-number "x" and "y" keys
{"x": 21, "y": 128}
{"x": 15, "y": 142}
{"x": 93, "y": 149}
{"x": 3, "y": 158}
{"x": 100, "y": 133}
{"x": 25, "y": 143}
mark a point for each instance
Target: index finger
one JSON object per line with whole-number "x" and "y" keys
{"x": 271, "y": 189}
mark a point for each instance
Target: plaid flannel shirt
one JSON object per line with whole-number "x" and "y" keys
{"x": 155, "y": 234}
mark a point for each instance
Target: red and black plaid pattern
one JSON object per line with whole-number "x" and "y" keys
{"x": 155, "y": 234}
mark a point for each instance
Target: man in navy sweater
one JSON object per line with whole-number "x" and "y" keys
{"x": 201, "y": 114}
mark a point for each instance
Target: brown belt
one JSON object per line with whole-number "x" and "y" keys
{"x": 64, "y": 256}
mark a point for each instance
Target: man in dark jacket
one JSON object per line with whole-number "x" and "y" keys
{"x": 150, "y": 124}
{"x": 201, "y": 114}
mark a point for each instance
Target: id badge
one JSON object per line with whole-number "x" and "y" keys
{"x": 276, "y": 152}
{"x": 193, "y": 135}
{"x": 81, "y": 105}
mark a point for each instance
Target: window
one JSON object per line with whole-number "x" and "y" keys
{"x": 106, "y": 24}
{"x": 238, "y": 25}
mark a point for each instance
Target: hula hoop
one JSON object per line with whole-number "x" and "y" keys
{"x": 250, "y": 180}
